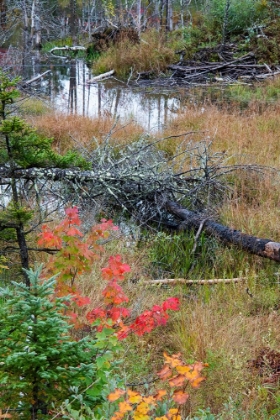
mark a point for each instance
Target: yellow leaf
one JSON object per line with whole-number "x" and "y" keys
{"x": 161, "y": 418}
{"x": 183, "y": 369}
{"x": 174, "y": 360}
{"x": 192, "y": 375}
{"x": 173, "y": 411}
{"x": 173, "y": 414}
{"x": 139, "y": 416}
{"x": 134, "y": 397}
{"x": 142, "y": 408}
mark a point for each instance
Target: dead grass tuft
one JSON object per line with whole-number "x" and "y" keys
{"x": 70, "y": 131}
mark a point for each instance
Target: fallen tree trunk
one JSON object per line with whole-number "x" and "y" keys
{"x": 263, "y": 247}
{"x": 101, "y": 76}
{"x": 200, "y": 282}
{"x": 67, "y": 48}
{"x": 126, "y": 189}
{"x": 74, "y": 49}
{"x": 34, "y": 79}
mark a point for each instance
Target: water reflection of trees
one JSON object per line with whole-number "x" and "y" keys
{"x": 68, "y": 89}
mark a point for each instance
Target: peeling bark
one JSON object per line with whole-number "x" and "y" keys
{"x": 263, "y": 247}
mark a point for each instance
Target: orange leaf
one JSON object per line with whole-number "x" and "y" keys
{"x": 196, "y": 383}
{"x": 117, "y": 416}
{"x": 173, "y": 360}
{"x": 115, "y": 395}
{"x": 177, "y": 380}
{"x": 173, "y": 411}
{"x": 125, "y": 407}
{"x": 180, "y": 397}
{"x": 161, "y": 393}
{"x": 191, "y": 375}
{"x": 149, "y": 400}
{"x": 165, "y": 372}
{"x": 198, "y": 366}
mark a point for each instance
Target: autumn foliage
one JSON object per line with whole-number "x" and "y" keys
{"x": 75, "y": 255}
{"x": 178, "y": 376}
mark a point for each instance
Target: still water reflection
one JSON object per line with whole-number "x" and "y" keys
{"x": 68, "y": 90}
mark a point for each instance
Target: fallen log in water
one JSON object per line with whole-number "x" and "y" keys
{"x": 263, "y": 247}
{"x": 34, "y": 79}
{"x": 75, "y": 49}
{"x": 101, "y": 76}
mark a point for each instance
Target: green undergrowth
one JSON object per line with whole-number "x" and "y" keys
{"x": 181, "y": 255}
{"x": 58, "y": 42}
{"x": 261, "y": 94}
{"x": 33, "y": 107}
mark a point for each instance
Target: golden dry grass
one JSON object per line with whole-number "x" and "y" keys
{"x": 223, "y": 327}
{"x": 250, "y": 138}
{"x": 71, "y": 131}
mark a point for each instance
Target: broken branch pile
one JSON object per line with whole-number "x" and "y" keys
{"x": 220, "y": 64}
{"x": 243, "y": 68}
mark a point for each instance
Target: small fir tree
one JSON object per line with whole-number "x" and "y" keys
{"x": 39, "y": 362}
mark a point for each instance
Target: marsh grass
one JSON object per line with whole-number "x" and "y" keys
{"x": 152, "y": 54}
{"x": 33, "y": 107}
{"x": 224, "y": 325}
{"x": 71, "y": 131}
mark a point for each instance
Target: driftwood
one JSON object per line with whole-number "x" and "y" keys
{"x": 34, "y": 79}
{"x": 75, "y": 48}
{"x": 201, "y": 282}
{"x": 211, "y": 65}
{"x": 263, "y": 247}
{"x": 101, "y": 76}
{"x": 243, "y": 68}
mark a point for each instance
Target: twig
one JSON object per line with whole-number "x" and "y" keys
{"x": 197, "y": 235}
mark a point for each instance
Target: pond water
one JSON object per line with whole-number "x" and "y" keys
{"x": 68, "y": 90}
